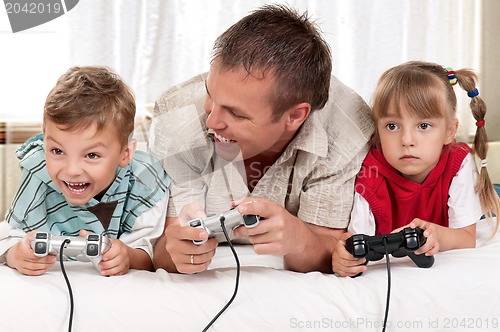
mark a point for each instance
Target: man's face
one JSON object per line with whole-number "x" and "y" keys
{"x": 241, "y": 116}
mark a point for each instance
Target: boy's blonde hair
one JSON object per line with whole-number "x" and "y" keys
{"x": 426, "y": 89}
{"x": 86, "y": 96}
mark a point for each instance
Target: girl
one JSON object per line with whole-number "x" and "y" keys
{"x": 416, "y": 174}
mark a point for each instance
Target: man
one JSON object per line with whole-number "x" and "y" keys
{"x": 255, "y": 132}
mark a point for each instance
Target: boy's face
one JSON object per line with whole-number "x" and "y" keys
{"x": 83, "y": 163}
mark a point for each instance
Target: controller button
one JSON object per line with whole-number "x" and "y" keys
{"x": 359, "y": 250}
{"x": 195, "y": 223}
{"x": 40, "y": 248}
{"x": 92, "y": 250}
{"x": 41, "y": 236}
{"x": 250, "y": 220}
{"x": 93, "y": 237}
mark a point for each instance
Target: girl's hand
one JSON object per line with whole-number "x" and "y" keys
{"x": 433, "y": 234}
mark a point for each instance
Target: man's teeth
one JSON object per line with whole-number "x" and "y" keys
{"x": 223, "y": 139}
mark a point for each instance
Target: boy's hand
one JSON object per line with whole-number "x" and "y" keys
{"x": 22, "y": 258}
{"x": 116, "y": 261}
{"x": 343, "y": 263}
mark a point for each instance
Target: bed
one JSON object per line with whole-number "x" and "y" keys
{"x": 461, "y": 292}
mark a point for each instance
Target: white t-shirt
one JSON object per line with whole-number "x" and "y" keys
{"x": 147, "y": 228}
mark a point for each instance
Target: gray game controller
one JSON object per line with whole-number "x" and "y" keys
{"x": 232, "y": 220}
{"x": 82, "y": 248}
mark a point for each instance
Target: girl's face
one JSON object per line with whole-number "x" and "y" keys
{"x": 413, "y": 144}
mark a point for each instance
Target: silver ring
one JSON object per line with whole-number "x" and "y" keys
{"x": 192, "y": 259}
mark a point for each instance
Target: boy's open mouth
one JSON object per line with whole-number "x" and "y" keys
{"x": 76, "y": 187}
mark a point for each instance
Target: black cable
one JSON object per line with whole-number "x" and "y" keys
{"x": 388, "y": 264}
{"x": 222, "y": 219}
{"x": 61, "y": 252}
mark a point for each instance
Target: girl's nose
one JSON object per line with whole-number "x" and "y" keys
{"x": 408, "y": 138}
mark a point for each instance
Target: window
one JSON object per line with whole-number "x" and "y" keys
{"x": 156, "y": 44}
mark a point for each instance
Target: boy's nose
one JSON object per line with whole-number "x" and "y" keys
{"x": 73, "y": 167}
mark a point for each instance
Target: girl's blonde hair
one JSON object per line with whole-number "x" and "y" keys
{"x": 419, "y": 87}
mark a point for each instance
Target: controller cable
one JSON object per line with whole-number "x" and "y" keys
{"x": 388, "y": 264}
{"x": 222, "y": 219}
{"x": 61, "y": 251}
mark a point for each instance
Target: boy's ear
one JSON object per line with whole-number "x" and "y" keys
{"x": 452, "y": 131}
{"x": 297, "y": 115}
{"x": 128, "y": 152}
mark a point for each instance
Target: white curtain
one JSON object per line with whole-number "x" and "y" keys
{"x": 154, "y": 44}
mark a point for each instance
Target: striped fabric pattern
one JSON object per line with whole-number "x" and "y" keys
{"x": 39, "y": 203}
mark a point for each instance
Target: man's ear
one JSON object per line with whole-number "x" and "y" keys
{"x": 452, "y": 131}
{"x": 128, "y": 152}
{"x": 297, "y": 115}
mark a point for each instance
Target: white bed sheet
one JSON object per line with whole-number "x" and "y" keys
{"x": 461, "y": 292}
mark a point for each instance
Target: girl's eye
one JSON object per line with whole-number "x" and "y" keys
{"x": 57, "y": 151}
{"x": 425, "y": 126}
{"x": 391, "y": 126}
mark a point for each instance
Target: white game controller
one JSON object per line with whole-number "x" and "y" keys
{"x": 83, "y": 248}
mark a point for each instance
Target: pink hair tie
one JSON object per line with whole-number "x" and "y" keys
{"x": 480, "y": 123}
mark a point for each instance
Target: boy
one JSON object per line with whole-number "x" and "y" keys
{"x": 81, "y": 175}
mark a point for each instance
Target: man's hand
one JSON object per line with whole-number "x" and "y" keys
{"x": 278, "y": 232}
{"x": 305, "y": 247}
{"x": 188, "y": 257}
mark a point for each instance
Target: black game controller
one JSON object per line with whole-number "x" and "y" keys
{"x": 83, "y": 248}
{"x": 232, "y": 219}
{"x": 400, "y": 244}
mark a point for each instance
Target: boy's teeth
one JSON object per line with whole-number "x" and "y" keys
{"x": 76, "y": 186}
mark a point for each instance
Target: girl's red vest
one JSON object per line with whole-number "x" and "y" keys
{"x": 395, "y": 201}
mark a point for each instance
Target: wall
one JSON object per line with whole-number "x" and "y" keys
{"x": 490, "y": 71}
{"x": 490, "y": 82}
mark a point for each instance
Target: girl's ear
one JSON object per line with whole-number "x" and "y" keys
{"x": 451, "y": 131}
{"x": 297, "y": 115}
{"x": 128, "y": 153}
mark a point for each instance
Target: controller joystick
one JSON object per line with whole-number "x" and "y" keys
{"x": 83, "y": 248}
{"x": 232, "y": 220}
{"x": 400, "y": 244}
